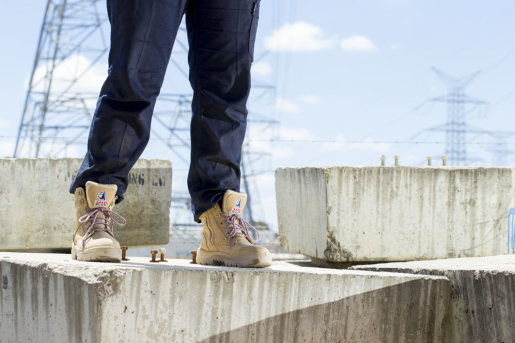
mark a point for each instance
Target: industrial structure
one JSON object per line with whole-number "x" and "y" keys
{"x": 55, "y": 114}
{"x": 459, "y": 133}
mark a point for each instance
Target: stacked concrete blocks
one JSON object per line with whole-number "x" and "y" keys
{"x": 343, "y": 214}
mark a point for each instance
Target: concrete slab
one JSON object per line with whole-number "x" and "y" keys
{"x": 50, "y": 298}
{"x": 343, "y": 214}
{"x": 315, "y": 262}
{"x": 38, "y": 213}
{"x": 482, "y": 301}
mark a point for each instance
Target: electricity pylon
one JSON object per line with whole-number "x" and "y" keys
{"x": 56, "y": 112}
{"x": 456, "y": 129}
{"x": 499, "y": 147}
{"x": 458, "y": 132}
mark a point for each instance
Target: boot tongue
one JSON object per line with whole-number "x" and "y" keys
{"x": 100, "y": 196}
{"x": 234, "y": 202}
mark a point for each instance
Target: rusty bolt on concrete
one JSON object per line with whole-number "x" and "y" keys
{"x": 154, "y": 254}
{"x": 124, "y": 252}
{"x": 396, "y": 159}
{"x": 444, "y": 160}
{"x": 429, "y": 159}
{"x": 163, "y": 252}
{"x": 194, "y": 257}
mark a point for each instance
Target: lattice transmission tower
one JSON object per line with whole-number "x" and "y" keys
{"x": 456, "y": 129}
{"x": 56, "y": 111}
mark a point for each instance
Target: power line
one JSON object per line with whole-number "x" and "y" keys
{"x": 322, "y": 141}
{"x": 499, "y": 62}
{"x": 399, "y": 118}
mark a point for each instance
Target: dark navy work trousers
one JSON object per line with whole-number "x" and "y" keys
{"x": 221, "y": 35}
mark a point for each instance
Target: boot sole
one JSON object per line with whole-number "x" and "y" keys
{"x": 218, "y": 258}
{"x": 98, "y": 254}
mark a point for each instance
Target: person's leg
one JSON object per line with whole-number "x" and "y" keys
{"x": 221, "y": 36}
{"x": 142, "y": 37}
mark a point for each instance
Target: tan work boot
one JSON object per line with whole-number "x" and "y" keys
{"x": 93, "y": 239}
{"x": 226, "y": 240}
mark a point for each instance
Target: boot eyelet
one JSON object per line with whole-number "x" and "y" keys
{"x": 79, "y": 192}
{"x": 82, "y": 201}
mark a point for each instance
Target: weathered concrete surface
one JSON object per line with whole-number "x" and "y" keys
{"x": 37, "y": 212}
{"x": 482, "y": 297}
{"x": 315, "y": 262}
{"x": 345, "y": 214}
{"x": 50, "y": 298}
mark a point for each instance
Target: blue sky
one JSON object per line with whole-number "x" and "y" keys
{"x": 343, "y": 70}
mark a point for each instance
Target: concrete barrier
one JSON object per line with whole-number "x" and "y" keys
{"x": 50, "y": 298}
{"x": 343, "y": 214}
{"x": 37, "y": 213}
{"x": 482, "y": 301}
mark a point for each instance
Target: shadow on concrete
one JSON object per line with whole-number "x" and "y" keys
{"x": 407, "y": 312}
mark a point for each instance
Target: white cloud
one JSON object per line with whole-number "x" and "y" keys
{"x": 269, "y": 147}
{"x": 341, "y": 144}
{"x": 299, "y": 36}
{"x": 258, "y": 142}
{"x": 357, "y": 43}
{"x": 294, "y": 134}
{"x": 90, "y": 81}
{"x": 310, "y": 99}
{"x": 261, "y": 68}
{"x": 68, "y": 70}
{"x": 80, "y": 81}
{"x": 287, "y": 106}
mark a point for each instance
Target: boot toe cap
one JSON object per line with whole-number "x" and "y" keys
{"x": 102, "y": 240}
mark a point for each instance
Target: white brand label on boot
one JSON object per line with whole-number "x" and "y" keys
{"x": 102, "y": 201}
{"x": 237, "y": 207}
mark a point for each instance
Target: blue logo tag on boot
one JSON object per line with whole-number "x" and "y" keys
{"x": 237, "y": 207}
{"x": 102, "y": 197}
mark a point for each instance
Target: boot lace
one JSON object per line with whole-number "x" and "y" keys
{"x": 237, "y": 226}
{"x": 100, "y": 223}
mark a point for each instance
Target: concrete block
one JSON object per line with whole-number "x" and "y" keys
{"x": 482, "y": 302}
{"x": 343, "y": 214}
{"x": 50, "y": 298}
{"x": 37, "y": 213}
